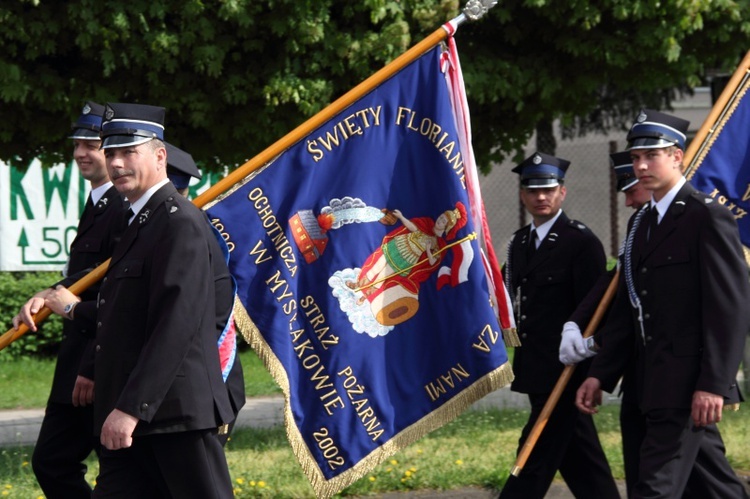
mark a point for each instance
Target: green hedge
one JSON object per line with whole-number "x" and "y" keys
{"x": 15, "y": 289}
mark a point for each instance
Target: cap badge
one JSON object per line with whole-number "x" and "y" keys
{"x": 641, "y": 117}
{"x": 86, "y": 109}
{"x": 173, "y": 209}
{"x": 537, "y": 159}
{"x": 109, "y": 113}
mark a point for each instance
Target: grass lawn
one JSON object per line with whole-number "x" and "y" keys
{"x": 25, "y": 383}
{"x": 477, "y": 449}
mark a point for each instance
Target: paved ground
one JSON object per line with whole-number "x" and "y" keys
{"x": 22, "y": 427}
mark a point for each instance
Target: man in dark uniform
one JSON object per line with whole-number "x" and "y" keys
{"x": 160, "y": 396}
{"x": 574, "y": 349}
{"x": 65, "y": 439}
{"x": 552, "y": 263}
{"x": 180, "y": 169}
{"x": 681, "y": 314}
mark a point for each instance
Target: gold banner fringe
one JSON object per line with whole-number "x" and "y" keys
{"x": 510, "y": 335}
{"x": 324, "y": 488}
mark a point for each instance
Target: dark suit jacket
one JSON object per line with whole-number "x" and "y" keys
{"x": 585, "y": 310}
{"x": 93, "y": 244}
{"x": 156, "y": 355}
{"x": 691, "y": 278}
{"x": 546, "y": 291}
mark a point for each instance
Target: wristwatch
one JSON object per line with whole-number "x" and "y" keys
{"x": 68, "y": 310}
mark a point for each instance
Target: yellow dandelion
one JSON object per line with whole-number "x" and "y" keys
{"x": 252, "y": 483}
{"x": 388, "y": 470}
{"x": 240, "y": 480}
{"x": 393, "y": 462}
{"x": 372, "y": 478}
{"x": 419, "y": 451}
{"x": 261, "y": 483}
{"x": 459, "y": 462}
{"x": 5, "y": 492}
{"x": 237, "y": 490}
{"x": 413, "y": 469}
{"x": 25, "y": 463}
{"x": 8, "y": 486}
{"x": 403, "y": 480}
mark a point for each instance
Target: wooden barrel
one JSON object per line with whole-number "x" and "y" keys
{"x": 394, "y": 306}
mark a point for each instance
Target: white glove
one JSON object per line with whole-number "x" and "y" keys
{"x": 572, "y": 346}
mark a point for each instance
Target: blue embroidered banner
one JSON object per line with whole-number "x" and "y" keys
{"x": 363, "y": 288}
{"x": 721, "y": 168}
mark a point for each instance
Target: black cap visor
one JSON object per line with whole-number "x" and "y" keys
{"x": 84, "y": 134}
{"x": 540, "y": 182}
{"x": 650, "y": 143}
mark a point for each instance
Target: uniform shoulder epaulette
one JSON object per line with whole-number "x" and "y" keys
{"x": 172, "y": 205}
{"x": 578, "y": 225}
{"x": 701, "y": 199}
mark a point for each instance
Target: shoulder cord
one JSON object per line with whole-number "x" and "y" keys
{"x": 509, "y": 271}
{"x": 628, "y": 264}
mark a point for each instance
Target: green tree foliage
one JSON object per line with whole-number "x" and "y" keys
{"x": 236, "y": 75}
{"x": 15, "y": 289}
{"x": 592, "y": 64}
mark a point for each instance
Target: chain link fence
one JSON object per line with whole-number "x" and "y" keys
{"x": 591, "y": 196}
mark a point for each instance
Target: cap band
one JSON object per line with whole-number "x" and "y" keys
{"x": 133, "y": 127}
{"x": 660, "y": 135}
{"x": 124, "y": 140}
{"x": 122, "y": 132}
{"x": 542, "y": 170}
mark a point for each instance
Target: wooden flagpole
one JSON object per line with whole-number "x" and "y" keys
{"x": 474, "y": 10}
{"x": 562, "y": 382}
{"x": 696, "y": 145}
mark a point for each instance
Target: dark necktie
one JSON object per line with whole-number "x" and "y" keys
{"x": 123, "y": 225}
{"x": 531, "y": 248}
{"x": 88, "y": 208}
{"x": 126, "y": 219}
